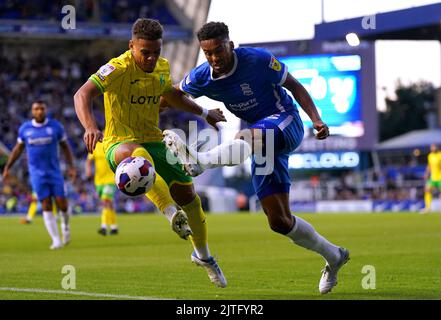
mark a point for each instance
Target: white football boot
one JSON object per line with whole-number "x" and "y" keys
{"x": 187, "y": 156}
{"x": 56, "y": 246}
{"x": 213, "y": 270}
{"x": 179, "y": 223}
{"x": 329, "y": 273}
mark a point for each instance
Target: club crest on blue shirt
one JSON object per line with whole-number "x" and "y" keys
{"x": 246, "y": 89}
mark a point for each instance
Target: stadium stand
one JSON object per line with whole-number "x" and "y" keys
{"x": 114, "y": 11}
{"x": 54, "y": 76}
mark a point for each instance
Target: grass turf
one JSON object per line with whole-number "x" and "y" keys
{"x": 148, "y": 259}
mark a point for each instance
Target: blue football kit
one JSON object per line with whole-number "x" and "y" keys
{"x": 253, "y": 92}
{"x": 41, "y": 141}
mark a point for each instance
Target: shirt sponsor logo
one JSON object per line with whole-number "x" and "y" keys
{"x": 40, "y": 141}
{"x": 244, "y": 105}
{"x": 144, "y": 99}
{"x": 275, "y": 64}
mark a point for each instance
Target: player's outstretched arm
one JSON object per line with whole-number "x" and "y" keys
{"x": 163, "y": 105}
{"x": 304, "y": 99}
{"x": 177, "y": 99}
{"x": 83, "y": 108}
{"x": 15, "y": 154}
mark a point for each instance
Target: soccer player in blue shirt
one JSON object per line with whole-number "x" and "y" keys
{"x": 253, "y": 85}
{"x": 41, "y": 137}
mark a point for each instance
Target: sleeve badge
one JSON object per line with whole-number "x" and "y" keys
{"x": 275, "y": 64}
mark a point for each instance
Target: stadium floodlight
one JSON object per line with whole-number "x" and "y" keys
{"x": 352, "y": 39}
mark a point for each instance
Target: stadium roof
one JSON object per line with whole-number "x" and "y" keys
{"x": 418, "y": 23}
{"x": 413, "y": 139}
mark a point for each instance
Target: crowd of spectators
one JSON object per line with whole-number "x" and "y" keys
{"x": 53, "y": 80}
{"x": 112, "y": 11}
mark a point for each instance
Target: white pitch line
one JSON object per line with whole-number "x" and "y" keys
{"x": 80, "y": 293}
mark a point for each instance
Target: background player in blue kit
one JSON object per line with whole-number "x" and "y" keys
{"x": 251, "y": 83}
{"x": 41, "y": 137}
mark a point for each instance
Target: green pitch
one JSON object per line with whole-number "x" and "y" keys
{"x": 148, "y": 260}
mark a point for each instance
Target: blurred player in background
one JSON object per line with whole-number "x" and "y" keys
{"x": 32, "y": 210}
{"x": 432, "y": 176}
{"x": 34, "y": 207}
{"x": 104, "y": 179}
{"x": 251, "y": 83}
{"x": 133, "y": 84}
{"x": 41, "y": 137}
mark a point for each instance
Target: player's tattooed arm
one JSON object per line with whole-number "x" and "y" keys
{"x": 83, "y": 108}
{"x": 15, "y": 154}
{"x": 307, "y": 104}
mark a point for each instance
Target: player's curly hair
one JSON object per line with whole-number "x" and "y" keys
{"x": 148, "y": 29}
{"x": 213, "y": 30}
{"x": 39, "y": 101}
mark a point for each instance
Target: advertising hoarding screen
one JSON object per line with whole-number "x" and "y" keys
{"x": 334, "y": 83}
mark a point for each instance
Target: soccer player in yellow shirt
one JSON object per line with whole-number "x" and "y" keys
{"x": 133, "y": 85}
{"x": 32, "y": 210}
{"x": 104, "y": 179}
{"x": 432, "y": 176}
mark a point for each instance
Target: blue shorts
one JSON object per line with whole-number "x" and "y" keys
{"x": 48, "y": 186}
{"x": 270, "y": 177}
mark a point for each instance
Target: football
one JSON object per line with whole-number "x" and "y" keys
{"x": 135, "y": 176}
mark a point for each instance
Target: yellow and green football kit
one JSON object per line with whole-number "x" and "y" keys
{"x": 434, "y": 164}
{"x": 131, "y": 103}
{"x": 104, "y": 177}
{"x": 104, "y": 184}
